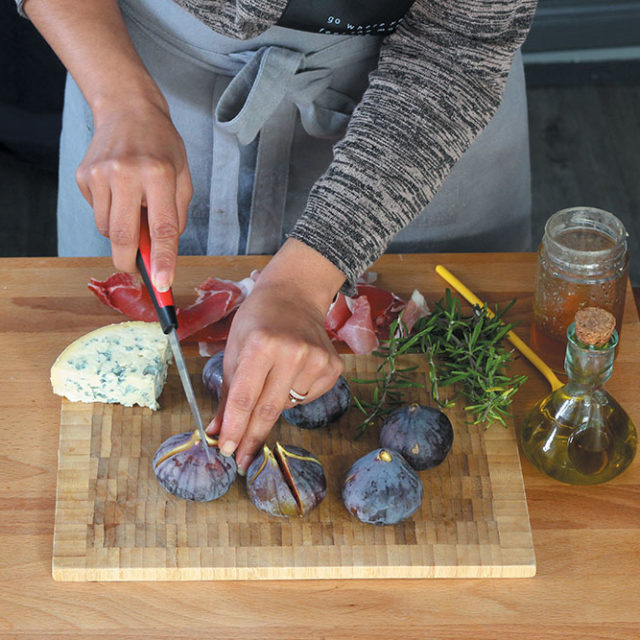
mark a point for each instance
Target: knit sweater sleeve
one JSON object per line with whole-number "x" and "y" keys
{"x": 440, "y": 79}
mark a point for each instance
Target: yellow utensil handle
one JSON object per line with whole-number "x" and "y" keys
{"x": 524, "y": 349}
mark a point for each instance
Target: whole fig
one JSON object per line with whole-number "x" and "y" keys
{"x": 382, "y": 488}
{"x": 212, "y": 374}
{"x": 288, "y": 481}
{"x": 422, "y": 435}
{"x": 182, "y": 467}
{"x": 323, "y": 410}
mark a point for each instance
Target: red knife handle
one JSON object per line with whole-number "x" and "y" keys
{"x": 162, "y": 300}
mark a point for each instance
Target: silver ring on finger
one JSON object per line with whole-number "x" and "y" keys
{"x": 294, "y": 396}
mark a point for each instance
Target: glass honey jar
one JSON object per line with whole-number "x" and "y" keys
{"x": 583, "y": 261}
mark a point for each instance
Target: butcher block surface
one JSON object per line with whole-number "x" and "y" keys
{"x": 115, "y": 522}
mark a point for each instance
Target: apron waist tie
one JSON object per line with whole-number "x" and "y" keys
{"x": 262, "y": 99}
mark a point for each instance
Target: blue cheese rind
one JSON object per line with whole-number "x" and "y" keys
{"x": 123, "y": 363}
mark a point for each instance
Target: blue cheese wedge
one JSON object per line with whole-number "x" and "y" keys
{"x": 124, "y": 363}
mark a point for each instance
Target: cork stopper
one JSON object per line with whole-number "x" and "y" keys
{"x": 594, "y": 326}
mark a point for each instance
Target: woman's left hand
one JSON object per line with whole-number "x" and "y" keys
{"x": 277, "y": 343}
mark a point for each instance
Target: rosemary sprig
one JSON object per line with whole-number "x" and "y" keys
{"x": 462, "y": 350}
{"x": 387, "y": 394}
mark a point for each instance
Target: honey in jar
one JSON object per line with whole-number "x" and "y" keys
{"x": 583, "y": 261}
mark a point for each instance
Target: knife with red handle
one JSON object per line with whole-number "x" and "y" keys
{"x": 166, "y": 311}
{"x": 162, "y": 300}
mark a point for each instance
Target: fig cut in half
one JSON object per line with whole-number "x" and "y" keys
{"x": 288, "y": 481}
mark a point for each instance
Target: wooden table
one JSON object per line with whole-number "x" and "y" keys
{"x": 587, "y": 540}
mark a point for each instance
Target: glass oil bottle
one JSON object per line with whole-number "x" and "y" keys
{"x": 579, "y": 434}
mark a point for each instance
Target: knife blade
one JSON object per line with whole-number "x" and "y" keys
{"x": 166, "y": 312}
{"x": 187, "y": 386}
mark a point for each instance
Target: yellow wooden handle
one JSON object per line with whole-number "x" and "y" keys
{"x": 521, "y": 346}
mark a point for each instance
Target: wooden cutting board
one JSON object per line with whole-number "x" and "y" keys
{"x": 114, "y": 522}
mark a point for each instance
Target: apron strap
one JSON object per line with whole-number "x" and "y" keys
{"x": 224, "y": 226}
{"x": 262, "y": 99}
{"x": 271, "y": 181}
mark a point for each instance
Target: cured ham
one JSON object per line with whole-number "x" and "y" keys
{"x": 382, "y": 308}
{"x": 216, "y": 300}
{"x": 416, "y": 308}
{"x": 358, "y": 332}
{"x": 216, "y": 332}
{"x": 339, "y": 313}
{"x": 385, "y": 307}
{"x": 360, "y": 322}
{"x": 123, "y": 293}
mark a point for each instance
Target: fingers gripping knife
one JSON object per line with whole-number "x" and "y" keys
{"x": 166, "y": 310}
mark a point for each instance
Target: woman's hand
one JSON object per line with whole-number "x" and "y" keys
{"x": 277, "y": 343}
{"x": 137, "y": 159}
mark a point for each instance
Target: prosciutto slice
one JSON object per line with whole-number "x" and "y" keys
{"x": 123, "y": 293}
{"x": 216, "y": 300}
{"x": 347, "y": 313}
{"x": 339, "y": 312}
{"x": 416, "y": 308}
{"x": 360, "y": 322}
{"x": 385, "y": 307}
{"x": 358, "y": 332}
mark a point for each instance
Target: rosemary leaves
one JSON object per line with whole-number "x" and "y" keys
{"x": 462, "y": 350}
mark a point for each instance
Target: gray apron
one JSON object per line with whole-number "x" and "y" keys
{"x": 259, "y": 118}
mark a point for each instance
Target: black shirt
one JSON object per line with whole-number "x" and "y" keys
{"x": 357, "y": 17}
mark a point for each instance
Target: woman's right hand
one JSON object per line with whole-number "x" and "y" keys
{"x": 137, "y": 159}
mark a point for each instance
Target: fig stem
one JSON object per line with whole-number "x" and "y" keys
{"x": 191, "y": 442}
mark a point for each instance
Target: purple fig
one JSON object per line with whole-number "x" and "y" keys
{"x": 288, "y": 481}
{"x": 382, "y": 488}
{"x": 183, "y": 468}
{"x": 212, "y": 374}
{"x": 422, "y": 435}
{"x": 323, "y": 410}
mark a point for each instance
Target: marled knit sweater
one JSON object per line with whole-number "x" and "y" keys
{"x": 439, "y": 80}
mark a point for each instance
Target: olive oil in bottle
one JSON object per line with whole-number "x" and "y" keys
{"x": 579, "y": 434}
